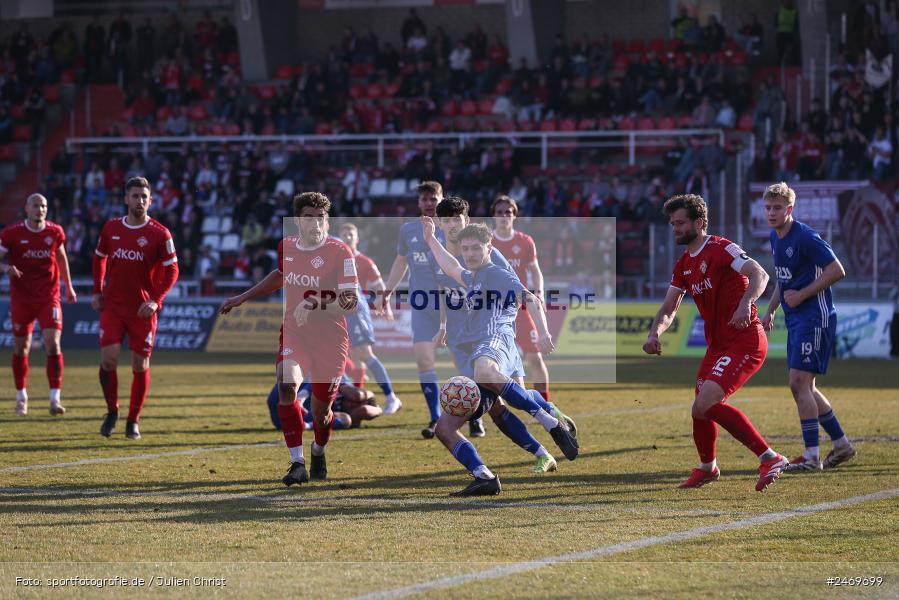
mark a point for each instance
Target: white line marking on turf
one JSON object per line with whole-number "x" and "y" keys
{"x": 314, "y": 501}
{"x": 191, "y": 452}
{"x": 677, "y": 536}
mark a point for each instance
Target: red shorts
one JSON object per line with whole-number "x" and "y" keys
{"x": 141, "y": 331}
{"x": 23, "y": 315}
{"x": 526, "y": 332}
{"x": 731, "y": 365}
{"x": 323, "y": 362}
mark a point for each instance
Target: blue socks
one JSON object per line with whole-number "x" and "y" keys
{"x": 809, "y": 432}
{"x": 519, "y": 398}
{"x": 831, "y": 425}
{"x": 379, "y": 372}
{"x": 431, "y": 391}
{"x": 516, "y": 430}
{"x": 466, "y": 454}
{"x": 539, "y": 399}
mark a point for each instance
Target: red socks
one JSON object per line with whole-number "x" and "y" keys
{"x": 545, "y": 393}
{"x": 291, "y": 424}
{"x": 109, "y": 383}
{"x": 139, "y": 386}
{"x": 20, "y": 371}
{"x": 738, "y": 425}
{"x": 54, "y": 371}
{"x": 705, "y": 434}
{"x": 322, "y": 435}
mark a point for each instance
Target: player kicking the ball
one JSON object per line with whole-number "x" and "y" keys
{"x": 493, "y": 298}
{"x": 724, "y": 283}
{"x": 319, "y": 276}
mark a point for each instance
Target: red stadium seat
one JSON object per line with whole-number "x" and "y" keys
{"x": 685, "y": 121}
{"x": 738, "y": 59}
{"x": 548, "y": 125}
{"x": 435, "y": 126}
{"x": 232, "y": 129}
{"x": 7, "y": 153}
{"x": 361, "y": 70}
{"x": 128, "y": 114}
{"x": 657, "y": 45}
{"x": 568, "y": 125}
{"x": 51, "y": 94}
{"x": 449, "y": 108}
{"x": 375, "y": 90}
{"x": 284, "y": 73}
{"x": 266, "y": 91}
{"x": 393, "y": 89}
{"x": 129, "y": 131}
{"x": 619, "y": 46}
{"x": 357, "y": 92}
{"x": 587, "y": 124}
{"x": 468, "y": 108}
{"x": 163, "y": 113}
{"x": 22, "y": 133}
{"x": 17, "y": 112}
{"x": 667, "y": 123}
{"x": 217, "y": 129}
{"x": 464, "y": 123}
{"x": 636, "y": 47}
{"x": 627, "y": 123}
{"x": 67, "y": 76}
{"x": 674, "y": 44}
{"x": 621, "y": 62}
{"x": 646, "y": 123}
{"x": 198, "y": 112}
{"x": 745, "y": 123}
{"x": 323, "y": 129}
{"x": 485, "y": 106}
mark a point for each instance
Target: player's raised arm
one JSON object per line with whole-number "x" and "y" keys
{"x": 269, "y": 284}
{"x": 831, "y": 274}
{"x": 664, "y": 319}
{"x": 448, "y": 263}
{"x": 63, "y": 261}
{"x": 758, "y": 280}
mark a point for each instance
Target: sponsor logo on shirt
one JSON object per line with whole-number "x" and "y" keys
{"x": 302, "y": 279}
{"x": 126, "y": 254}
{"x": 36, "y": 254}
{"x": 420, "y": 257}
{"x": 23, "y": 241}
{"x": 317, "y": 262}
{"x": 698, "y": 288}
{"x": 783, "y": 273}
{"x": 115, "y": 237}
{"x": 349, "y": 267}
{"x": 688, "y": 272}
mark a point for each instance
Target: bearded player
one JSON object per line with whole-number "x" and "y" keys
{"x": 37, "y": 257}
{"x": 318, "y": 273}
{"x": 724, "y": 283}
{"x": 135, "y": 266}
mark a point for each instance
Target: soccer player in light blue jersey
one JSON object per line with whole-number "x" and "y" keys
{"x": 412, "y": 254}
{"x": 452, "y": 217}
{"x": 806, "y": 268}
{"x": 493, "y": 297}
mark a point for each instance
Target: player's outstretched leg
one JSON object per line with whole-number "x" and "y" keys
{"x": 522, "y": 399}
{"x": 485, "y": 483}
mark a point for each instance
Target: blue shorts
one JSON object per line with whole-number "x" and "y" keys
{"x": 809, "y": 346}
{"x": 501, "y": 348}
{"x": 360, "y": 328}
{"x": 425, "y": 323}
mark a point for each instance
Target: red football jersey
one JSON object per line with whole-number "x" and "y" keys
{"x": 519, "y": 250}
{"x": 713, "y": 278}
{"x": 34, "y": 253}
{"x": 317, "y": 275}
{"x": 135, "y": 259}
{"x": 367, "y": 271}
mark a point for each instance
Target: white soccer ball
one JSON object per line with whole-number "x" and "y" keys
{"x": 460, "y": 396}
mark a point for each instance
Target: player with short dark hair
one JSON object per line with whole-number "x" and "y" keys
{"x": 318, "y": 273}
{"x": 492, "y": 300}
{"x": 806, "y": 268}
{"x": 521, "y": 252}
{"x": 412, "y": 254}
{"x": 724, "y": 283}
{"x": 37, "y": 257}
{"x": 359, "y": 324}
{"x": 134, "y": 267}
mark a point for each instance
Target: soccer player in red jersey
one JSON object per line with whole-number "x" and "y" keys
{"x": 135, "y": 266}
{"x": 724, "y": 283}
{"x": 37, "y": 256}
{"x": 521, "y": 252}
{"x": 318, "y": 273}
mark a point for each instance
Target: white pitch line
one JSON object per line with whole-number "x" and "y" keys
{"x": 371, "y": 501}
{"x": 191, "y": 452}
{"x": 601, "y": 551}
